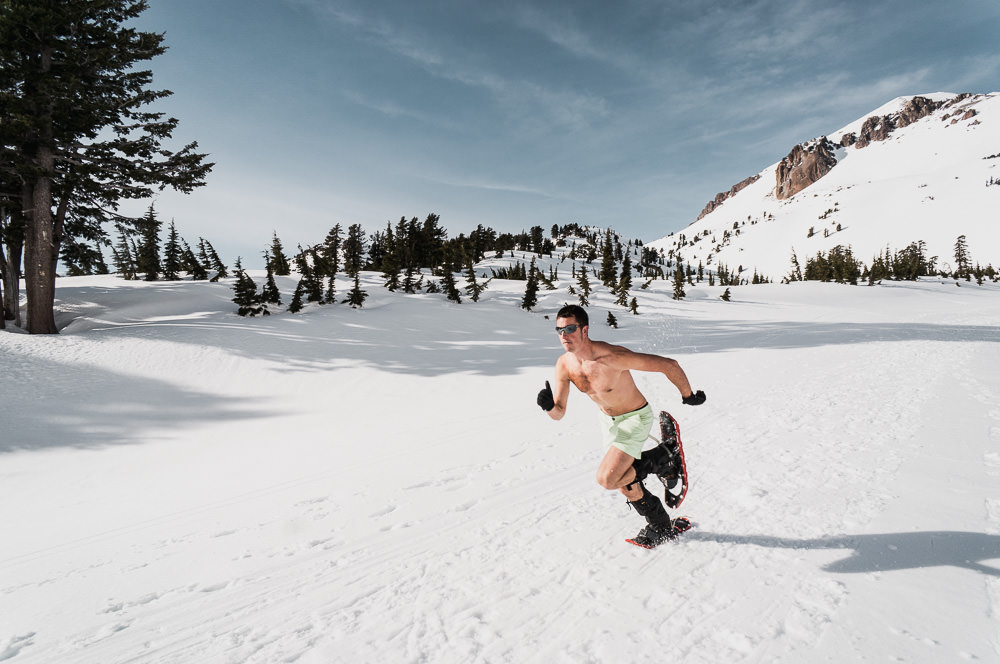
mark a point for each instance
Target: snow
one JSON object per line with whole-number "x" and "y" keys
{"x": 184, "y": 485}
{"x": 926, "y": 182}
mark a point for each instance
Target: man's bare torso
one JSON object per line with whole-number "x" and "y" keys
{"x": 603, "y": 379}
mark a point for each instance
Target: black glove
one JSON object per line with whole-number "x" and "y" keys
{"x": 545, "y": 399}
{"x": 694, "y": 399}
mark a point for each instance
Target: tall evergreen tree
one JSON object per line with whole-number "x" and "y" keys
{"x": 679, "y": 279}
{"x": 331, "y": 250}
{"x": 609, "y": 269}
{"x": 530, "y": 298}
{"x": 391, "y": 260}
{"x": 148, "y": 259}
{"x": 246, "y": 298}
{"x": 354, "y": 250}
{"x": 214, "y": 262}
{"x": 172, "y": 255}
{"x": 962, "y": 260}
{"x": 474, "y": 287}
{"x": 450, "y": 287}
{"x": 584, "y": 283}
{"x": 124, "y": 258}
{"x": 278, "y": 261}
{"x": 73, "y": 129}
{"x": 190, "y": 263}
{"x": 269, "y": 293}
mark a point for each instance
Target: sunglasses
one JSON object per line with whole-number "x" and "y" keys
{"x": 569, "y": 329}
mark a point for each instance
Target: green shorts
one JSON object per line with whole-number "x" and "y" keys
{"x": 627, "y": 432}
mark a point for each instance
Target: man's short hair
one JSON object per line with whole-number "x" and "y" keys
{"x": 575, "y": 312}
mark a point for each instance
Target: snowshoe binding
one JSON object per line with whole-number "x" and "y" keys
{"x": 652, "y": 536}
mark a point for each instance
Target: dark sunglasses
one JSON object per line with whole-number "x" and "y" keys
{"x": 569, "y": 329}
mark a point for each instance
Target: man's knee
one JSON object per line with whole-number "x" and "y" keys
{"x": 604, "y": 479}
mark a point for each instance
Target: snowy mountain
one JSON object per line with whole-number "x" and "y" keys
{"x": 925, "y": 168}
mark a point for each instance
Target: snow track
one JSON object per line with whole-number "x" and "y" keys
{"x": 344, "y": 486}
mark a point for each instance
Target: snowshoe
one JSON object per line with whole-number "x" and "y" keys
{"x": 652, "y": 536}
{"x": 675, "y": 477}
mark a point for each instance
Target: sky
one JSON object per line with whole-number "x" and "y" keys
{"x": 630, "y": 115}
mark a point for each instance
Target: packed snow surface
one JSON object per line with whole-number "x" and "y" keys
{"x": 180, "y": 484}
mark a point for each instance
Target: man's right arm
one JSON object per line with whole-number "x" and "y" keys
{"x": 553, "y": 401}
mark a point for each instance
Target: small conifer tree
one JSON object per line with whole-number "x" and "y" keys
{"x": 172, "y": 255}
{"x": 679, "y": 279}
{"x": 277, "y": 260}
{"x": 450, "y": 288}
{"x": 474, "y": 288}
{"x": 356, "y": 296}
{"x": 270, "y": 293}
{"x": 612, "y": 321}
{"x": 295, "y": 306}
{"x": 246, "y": 298}
{"x": 531, "y": 289}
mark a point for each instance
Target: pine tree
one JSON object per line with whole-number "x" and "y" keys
{"x": 277, "y": 261}
{"x": 124, "y": 258}
{"x": 74, "y": 130}
{"x": 679, "y": 279}
{"x": 474, "y": 288}
{"x": 612, "y": 321}
{"x": 354, "y": 250}
{"x": 331, "y": 250}
{"x": 584, "y": 283}
{"x": 172, "y": 256}
{"x": 634, "y": 306}
{"x": 214, "y": 262}
{"x": 246, "y": 297}
{"x": 530, "y": 298}
{"x": 295, "y": 306}
{"x": 450, "y": 288}
{"x": 148, "y": 258}
{"x": 192, "y": 264}
{"x": 609, "y": 270}
{"x": 726, "y": 296}
{"x": 356, "y": 297}
{"x": 270, "y": 293}
{"x": 962, "y": 260}
{"x": 311, "y": 284}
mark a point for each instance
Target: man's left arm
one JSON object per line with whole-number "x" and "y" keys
{"x": 669, "y": 368}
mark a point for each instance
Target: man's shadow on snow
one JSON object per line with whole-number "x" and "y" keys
{"x": 887, "y": 552}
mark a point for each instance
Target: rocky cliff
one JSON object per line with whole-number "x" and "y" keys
{"x": 806, "y": 163}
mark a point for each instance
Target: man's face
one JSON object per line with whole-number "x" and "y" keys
{"x": 570, "y": 338}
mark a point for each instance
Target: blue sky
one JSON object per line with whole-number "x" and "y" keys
{"x": 629, "y": 114}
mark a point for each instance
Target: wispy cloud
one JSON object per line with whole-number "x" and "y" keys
{"x": 525, "y": 101}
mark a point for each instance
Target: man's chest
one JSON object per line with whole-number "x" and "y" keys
{"x": 594, "y": 377}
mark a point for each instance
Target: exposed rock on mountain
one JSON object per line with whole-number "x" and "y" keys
{"x": 804, "y": 165}
{"x": 722, "y": 196}
{"x": 932, "y": 181}
{"x": 915, "y": 109}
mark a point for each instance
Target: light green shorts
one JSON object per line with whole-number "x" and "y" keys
{"x": 627, "y": 432}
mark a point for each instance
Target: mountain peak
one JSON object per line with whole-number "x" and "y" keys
{"x": 918, "y": 168}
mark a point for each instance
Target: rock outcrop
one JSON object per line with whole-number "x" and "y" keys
{"x": 804, "y": 165}
{"x": 721, "y": 197}
{"x": 878, "y": 127}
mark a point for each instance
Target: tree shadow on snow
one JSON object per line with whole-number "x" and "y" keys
{"x": 73, "y": 405}
{"x": 887, "y": 552}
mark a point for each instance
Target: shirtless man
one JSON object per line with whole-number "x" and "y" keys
{"x": 603, "y": 372}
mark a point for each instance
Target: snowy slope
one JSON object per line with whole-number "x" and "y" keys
{"x": 377, "y": 485}
{"x": 926, "y": 182}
